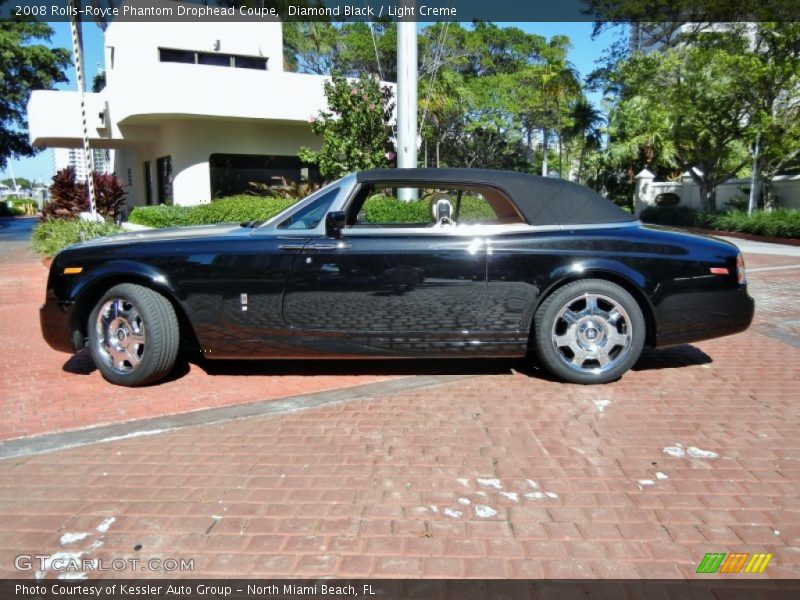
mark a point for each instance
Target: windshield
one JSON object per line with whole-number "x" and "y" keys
{"x": 311, "y": 214}
{"x": 302, "y": 204}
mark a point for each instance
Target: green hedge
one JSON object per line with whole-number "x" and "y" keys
{"x": 238, "y": 209}
{"x": 234, "y": 209}
{"x": 387, "y": 209}
{"x": 777, "y": 224}
{"x": 51, "y": 236}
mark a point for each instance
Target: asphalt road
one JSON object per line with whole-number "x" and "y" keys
{"x": 15, "y": 229}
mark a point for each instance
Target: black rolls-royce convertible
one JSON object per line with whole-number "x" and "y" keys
{"x": 401, "y": 263}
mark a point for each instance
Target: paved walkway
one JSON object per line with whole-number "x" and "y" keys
{"x": 497, "y": 473}
{"x": 751, "y": 247}
{"x": 43, "y": 391}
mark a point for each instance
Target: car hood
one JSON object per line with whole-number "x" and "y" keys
{"x": 163, "y": 235}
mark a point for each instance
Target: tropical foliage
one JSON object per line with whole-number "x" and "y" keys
{"x": 26, "y": 64}
{"x": 50, "y": 237}
{"x": 699, "y": 104}
{"x": 69, "y": 197}
{"x": 355, "y": 131}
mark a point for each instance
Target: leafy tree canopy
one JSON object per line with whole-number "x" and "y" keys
{"x": 26, "y": 64}
{"x": 355, "y": 131}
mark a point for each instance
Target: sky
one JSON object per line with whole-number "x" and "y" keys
{"x": 583, "y": 55}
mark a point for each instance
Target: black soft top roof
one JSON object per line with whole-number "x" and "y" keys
{"x": 541, "y": 200}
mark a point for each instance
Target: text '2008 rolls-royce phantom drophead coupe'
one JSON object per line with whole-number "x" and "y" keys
{"x": 402, "y": 263}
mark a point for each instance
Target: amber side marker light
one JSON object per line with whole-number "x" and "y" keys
{"x": 73, "y": 270}
{"x": 741, "y": 275}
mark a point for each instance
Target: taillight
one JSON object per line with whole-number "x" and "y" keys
{"x": 741, "y": 277}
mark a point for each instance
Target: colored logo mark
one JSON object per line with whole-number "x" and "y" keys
{"x": 742, "y": 562}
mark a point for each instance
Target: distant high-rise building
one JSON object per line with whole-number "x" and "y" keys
{"x": 74, "y": 157}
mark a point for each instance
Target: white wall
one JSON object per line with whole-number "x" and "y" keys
{"x": 191, "y": 142}
{"x": 786, "y": 188}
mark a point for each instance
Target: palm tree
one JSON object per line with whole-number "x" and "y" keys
{"x": 586, "y": 121}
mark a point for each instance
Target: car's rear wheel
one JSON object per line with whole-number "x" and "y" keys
{"x": 589, "y": 331}
{"x": 133, "y": 335}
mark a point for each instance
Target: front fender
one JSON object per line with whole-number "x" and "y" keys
{"x": 114, "y": 271}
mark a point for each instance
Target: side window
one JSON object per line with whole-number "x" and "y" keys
{"x": 310, "y": 215}
{"x": 395, "y": 206}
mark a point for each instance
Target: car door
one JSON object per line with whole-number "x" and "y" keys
{"x": 239, "y": 312}
{"x": 390, "y": 292}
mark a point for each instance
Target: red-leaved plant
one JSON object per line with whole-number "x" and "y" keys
{"x": 69, "y": 198}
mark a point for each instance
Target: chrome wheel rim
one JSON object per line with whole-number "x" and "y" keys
{"x": 592, "y": 333}
{"x": 120, "y": 335}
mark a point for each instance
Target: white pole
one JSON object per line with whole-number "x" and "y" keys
{"x": 13, "y": 178}
{"x": 407, "y": 95}
{"x": 77, "y": 53}
{"x": 751, "y": 204}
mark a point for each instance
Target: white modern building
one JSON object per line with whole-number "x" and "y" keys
{"x": 75, "y": 158}
{"x": 192, "y": 111}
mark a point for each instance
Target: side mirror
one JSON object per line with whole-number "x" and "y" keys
{"x": 335, "y": 221}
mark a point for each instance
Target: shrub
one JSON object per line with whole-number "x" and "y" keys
{"x": 289, "y": 189}
{"x": 49, "y": 237}
{"x": 675, "y": 216}
{"x": 777, "y": 224}
{"x": 23, "y": 206}
{"x": 387, "y": 209}
{"x": 109, "y": 195}
{"x": 7, "y": 210}
{"x": 234, "y": 209}
{"x": 162, "y": 215}
{"x": 69, "y": 198}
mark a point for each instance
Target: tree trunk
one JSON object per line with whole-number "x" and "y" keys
{"x": 581, "y": 159}
{"x": 708, "y": 195}
{"x": 544, "y": 152}
{"x": 755, "y": 181}
{"x": 560, "y": 155}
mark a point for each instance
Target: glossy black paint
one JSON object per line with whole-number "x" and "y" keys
{"x": 395, "y": 294}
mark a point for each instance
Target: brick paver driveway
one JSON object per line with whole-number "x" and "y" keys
{"x": 487, "y": 475}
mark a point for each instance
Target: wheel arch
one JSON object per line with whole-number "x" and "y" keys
{"x": 90, "y": 290}
{"x": 624, "y": 281}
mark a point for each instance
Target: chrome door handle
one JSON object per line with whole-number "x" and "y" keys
{"x": 292, "y": 246}
{"x": 336, "y": 246}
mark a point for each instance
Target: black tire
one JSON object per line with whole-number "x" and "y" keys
{"x": 154, "y": 321}
{"x": 550, "y": 328}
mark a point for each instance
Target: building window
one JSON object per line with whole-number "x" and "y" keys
{"x": 178, "y": 56}
{"x": 164, "y": 179}
{"x": 216, "y": 59}
{"x": 250, "y": 62}
{"x": 233, "y": 174}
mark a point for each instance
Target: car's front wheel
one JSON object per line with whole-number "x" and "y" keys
{"x": 589, "y": 331}
{"x": 133, "y": 335}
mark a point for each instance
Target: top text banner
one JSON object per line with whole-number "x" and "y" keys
{"x": 650, "y": 11}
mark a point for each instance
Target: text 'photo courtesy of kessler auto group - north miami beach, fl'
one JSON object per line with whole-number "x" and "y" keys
{"x": 430, "y": 299}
